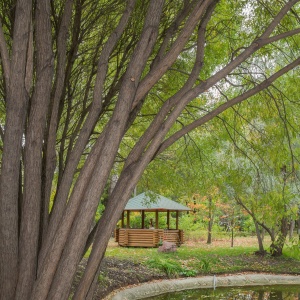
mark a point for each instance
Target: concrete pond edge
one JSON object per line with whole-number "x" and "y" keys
{"x": 173, "y": 285}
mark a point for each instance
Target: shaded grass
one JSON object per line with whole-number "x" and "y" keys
{"x": 199, "y": 259}
{"x": 127, "y": 266}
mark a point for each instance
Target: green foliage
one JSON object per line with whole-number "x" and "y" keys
{"x": 188, "y": 273}
{"x": 170, "y": 267}
{"x": 205, "y": 265}
{"x": 160, "y": 243}
{"x": 102, "y": 278}
{"x": 292, "y": 249}
{"x": 191, "y": 261}
{"x": 136, "y": 220}
{"x": 189, "y": 224}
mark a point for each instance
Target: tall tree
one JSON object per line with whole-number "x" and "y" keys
{"x": 77, "y": 76}
{"x": 260, "y": 181}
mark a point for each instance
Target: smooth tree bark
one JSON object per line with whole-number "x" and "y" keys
{"x": 31, "y": 201}
{"x": 261, "y": 249}
{"x": 210, "y": 220}
{"x": 291, "y": 230}
{"x": 77, "y": 78}
{"x": 277, "y": 244}
{"x": 16, "y": 104}
{"x": 298, "y": 225}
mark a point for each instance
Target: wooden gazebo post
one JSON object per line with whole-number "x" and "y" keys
{"x": 128, "y": 219}
{"x": 177, "y": 215}
{"x": 156, "y": 219}
{"x": 143, "y": 219}
{"x": 168, "y": 219}
{"x": 122, "y": 221}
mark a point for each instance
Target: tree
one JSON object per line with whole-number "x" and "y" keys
{"x": 268, "y": 194}
{"x": 77, "y": 76}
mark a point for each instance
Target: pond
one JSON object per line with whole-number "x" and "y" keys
{"x": 287, "y": 292}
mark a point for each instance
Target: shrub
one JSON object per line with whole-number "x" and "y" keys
{"x": 171, "y": 268}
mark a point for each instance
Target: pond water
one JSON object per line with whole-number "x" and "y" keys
{"x": 291, "y": 292}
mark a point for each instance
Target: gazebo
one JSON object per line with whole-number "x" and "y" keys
{"x": 152, "y": 236}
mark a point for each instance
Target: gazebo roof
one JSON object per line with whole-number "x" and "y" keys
{"x": 157, "y": 203}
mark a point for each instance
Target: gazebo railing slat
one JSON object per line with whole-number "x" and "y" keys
{"x": 147, "y": 237}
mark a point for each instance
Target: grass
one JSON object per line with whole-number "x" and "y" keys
{"x": 198, "y": 258}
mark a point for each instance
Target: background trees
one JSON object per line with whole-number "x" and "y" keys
{"x": 87, "y": 84}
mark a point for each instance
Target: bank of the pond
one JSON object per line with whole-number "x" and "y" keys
{"x": 123, "y": 267}
{"x": 160, "y": 287}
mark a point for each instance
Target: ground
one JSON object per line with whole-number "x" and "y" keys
{"x": 119, "y": 270}
{"x": 116, "y": 273}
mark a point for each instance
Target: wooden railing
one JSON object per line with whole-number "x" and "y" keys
{"x": 147, "y": 237}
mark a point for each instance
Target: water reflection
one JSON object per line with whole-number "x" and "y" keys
{"x": 242, "y": 293}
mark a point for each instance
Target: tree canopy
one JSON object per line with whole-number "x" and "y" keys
{"x": 90, "y": 89}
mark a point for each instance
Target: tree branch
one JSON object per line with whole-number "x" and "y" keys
{"x": 167, "y": 106}
{"x": 240, "y": 202}
{"x": 167, "y": 61}
{"x": 266, "y": 83}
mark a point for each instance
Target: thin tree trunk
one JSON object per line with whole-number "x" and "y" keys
{"x": 67, "y": 178}
{"x": 232, "y": 236}
{"x": 170, "y": 57}
{"x": 50, "y": 138}
{"x": 291, "y": 231}
{"x": 81, "y": 226}
{"x": 210, "y": 221}
{"x": 29, "y": 234}
{"x": 16, "y": 109}
{"x": 112, "y": 211}
{"x": 59, "y": 287}
{"x": 209, "y": 231}
{"x": 93, "y": 287}
{"x": 277, "y": 245}
{"x": 259, "y": 238}
{"x": 298, "y": 225}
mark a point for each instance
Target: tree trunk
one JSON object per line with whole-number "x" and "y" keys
{"x": 51, "y": 133}
{"x": 74, "y": 157}
{"x": 210, "y": 220}
{"x": 298, "y": 225}
{"x": 259, "y": 239}
{"x": 209, "y": 231}
{"x": 29, "y": 239}
{"x": 277, "y": 245}
{"x": 291, "y": 231}
{"x": 16, "y": 105}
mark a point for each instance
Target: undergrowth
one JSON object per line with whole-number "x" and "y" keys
{"x": 202, "y": 259}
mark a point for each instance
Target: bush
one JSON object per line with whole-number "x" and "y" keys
{"x": 293, "y": 249}
{"x": 171, "y": 268}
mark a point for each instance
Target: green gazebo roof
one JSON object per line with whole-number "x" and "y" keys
{"x": 153, "y": 202}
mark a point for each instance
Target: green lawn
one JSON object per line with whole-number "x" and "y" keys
{"x": 195, "y": 259}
